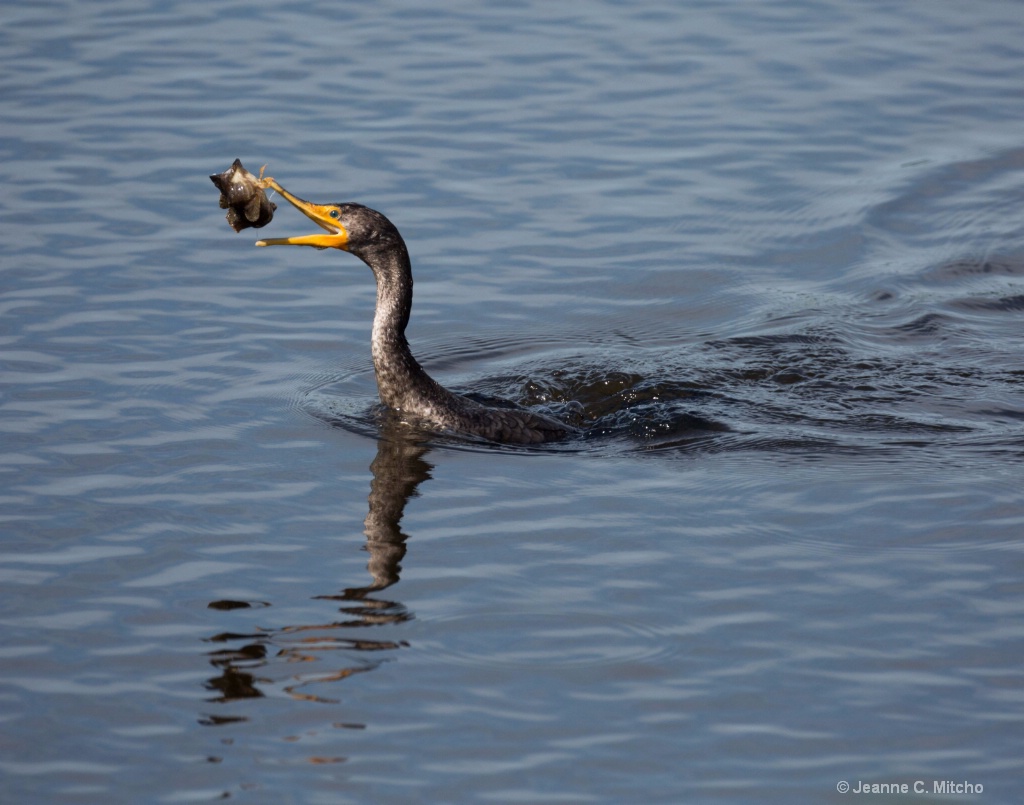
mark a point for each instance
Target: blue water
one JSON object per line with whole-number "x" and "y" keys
{"x": 771, "y": 256}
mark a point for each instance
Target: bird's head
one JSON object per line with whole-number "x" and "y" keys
{"x": 350, "y": 227}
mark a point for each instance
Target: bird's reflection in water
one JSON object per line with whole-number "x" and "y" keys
{"x": 398, "y": 469}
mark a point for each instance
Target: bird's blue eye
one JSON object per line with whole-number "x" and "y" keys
{"x": 334, "y": 213}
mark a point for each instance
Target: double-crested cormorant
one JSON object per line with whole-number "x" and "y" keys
{"x": 402, "y": 383}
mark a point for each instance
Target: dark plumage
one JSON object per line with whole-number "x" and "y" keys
{"x": 402, "y": 383}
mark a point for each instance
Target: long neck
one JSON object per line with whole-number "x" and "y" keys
{"x": 401, "y": 381}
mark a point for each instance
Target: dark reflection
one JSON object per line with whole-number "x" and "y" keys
{"x": 230, "y": 604}
{"x": 398, "y": 470}
{"x": 234, "y": 683}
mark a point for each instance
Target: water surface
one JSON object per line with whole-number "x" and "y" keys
{"x": 771, "y": 259}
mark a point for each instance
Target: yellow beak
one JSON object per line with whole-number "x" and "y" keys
{"x": 336, "y": 237}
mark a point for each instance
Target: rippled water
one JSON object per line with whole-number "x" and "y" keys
{"x": 769, "y": 257}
